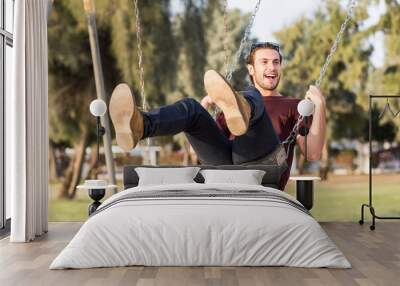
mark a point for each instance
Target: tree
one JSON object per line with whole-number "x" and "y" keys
{"x": 385, "y": 80}
{"x": 158, "y": 47}
{"x": 71, "y": 85}
{"x": 389, "y": 24}
{"x": 201, "y": 31}
{"x": 223, "y": 42}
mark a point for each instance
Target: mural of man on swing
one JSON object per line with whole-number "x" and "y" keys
{"x": 250, "y": 125}
{"x": 256, "y": 126}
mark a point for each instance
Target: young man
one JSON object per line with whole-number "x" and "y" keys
{"x": 264, "y": 64}
{"x": 249, "y": 128}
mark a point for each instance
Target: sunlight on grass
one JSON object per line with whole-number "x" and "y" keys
{"x": 338, "y": 199}
{"x": 69, "y": 210}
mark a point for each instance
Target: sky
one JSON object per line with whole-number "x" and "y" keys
{"x": 274, "y": 15}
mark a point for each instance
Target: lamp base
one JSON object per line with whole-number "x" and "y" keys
{"x": 96, "y": 195}
{"x": 305, "y": 193}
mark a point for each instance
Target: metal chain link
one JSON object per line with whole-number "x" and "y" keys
{"x": 226, "y": 52}
{"x": 140, "y": 56}
{"x": 292, "y": 136}
{"x": 243, "y": 43}
{"x": 351, "y": 6}
{"x": 141, "y": 71}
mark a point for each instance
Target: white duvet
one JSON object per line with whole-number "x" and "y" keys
{"x": 183, "y": 231}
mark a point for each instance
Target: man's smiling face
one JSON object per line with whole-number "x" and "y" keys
{"x": 265, "y": 69}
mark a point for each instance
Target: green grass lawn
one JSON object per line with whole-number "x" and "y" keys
{"x": 338, "y": 199}
{"x": 69, "y": 210}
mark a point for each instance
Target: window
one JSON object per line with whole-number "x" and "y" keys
{"x": 6, "y": 45}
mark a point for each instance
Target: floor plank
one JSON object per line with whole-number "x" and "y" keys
{"x": 374, "y": 255}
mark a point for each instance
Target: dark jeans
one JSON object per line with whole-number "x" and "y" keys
{"x": 210, "y": 144}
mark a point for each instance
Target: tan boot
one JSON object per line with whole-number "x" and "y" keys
{"x": 126, "y": 117}
{"x": 235, "y": 107}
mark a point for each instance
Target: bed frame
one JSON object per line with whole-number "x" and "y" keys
{"x": 271, "y": 178}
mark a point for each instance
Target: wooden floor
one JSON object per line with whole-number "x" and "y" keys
{"x": 375, "y": 257}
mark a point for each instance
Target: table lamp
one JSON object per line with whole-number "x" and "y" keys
{"x": 98, "y": 108}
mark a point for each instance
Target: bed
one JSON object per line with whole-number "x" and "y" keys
{"x": 201, "y": 224}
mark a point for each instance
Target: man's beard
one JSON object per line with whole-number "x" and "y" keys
{"x": 268, "y": 87}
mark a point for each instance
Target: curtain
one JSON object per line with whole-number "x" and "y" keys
{"x": 26, "y": 121}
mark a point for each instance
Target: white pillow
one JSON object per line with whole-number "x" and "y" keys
{"x": 163, "y": 176}
{"x": 248, "y": 177}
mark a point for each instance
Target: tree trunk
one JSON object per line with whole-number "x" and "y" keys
{"x": 194, "y": 159}
{"x": 187, "y": 159}
{"x": 301, "y": 164}
{"x": 52, "y": 163}
{"x": 77, "y": 167}
{"x": 324, "y": 166}
{"x": 73, "y": 176}
{"x": 62, "y": 161}
{"x": 67, "y": 178}
{"x": 93, "y": 167}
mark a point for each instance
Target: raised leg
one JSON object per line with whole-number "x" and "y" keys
{"x": 260, "y": 138}
{"x": 188, "y": 116}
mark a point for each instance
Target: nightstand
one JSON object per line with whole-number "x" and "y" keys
{"x": 305, "y": 190}
{"x": 96, "y": 193}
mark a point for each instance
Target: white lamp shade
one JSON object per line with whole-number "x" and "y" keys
{"x": 305, "y": 107}
{"x": 98, "y": 107}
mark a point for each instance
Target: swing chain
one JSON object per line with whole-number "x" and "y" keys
{"x": 230, "y": 68}
{"x": 292, "y": 136}
{"x": 349, "y": 15}
{"x": 140, "y": 56}
{"x": 352, "y": 3}
{"x": 141, "y": 70}
{"x": 226, "y": 52}
{"x": 243, "y": 42}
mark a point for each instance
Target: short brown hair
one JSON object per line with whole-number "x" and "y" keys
{"x": 262, "y": 45}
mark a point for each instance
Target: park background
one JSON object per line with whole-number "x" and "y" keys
{"x": 182, "y": 39}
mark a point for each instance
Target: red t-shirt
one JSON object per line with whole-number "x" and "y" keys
{"x": 283, "y": 113}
